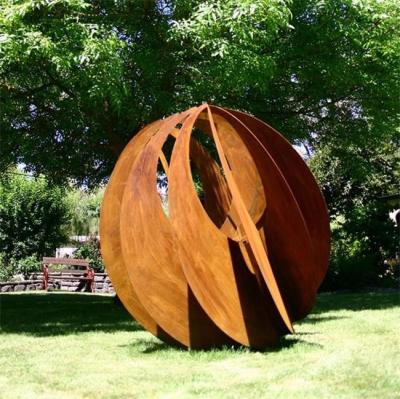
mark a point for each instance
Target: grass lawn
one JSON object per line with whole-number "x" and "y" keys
{"x": 60, "y": 345}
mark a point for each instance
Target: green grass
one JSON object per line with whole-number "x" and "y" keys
{"x": 60, "y": 345}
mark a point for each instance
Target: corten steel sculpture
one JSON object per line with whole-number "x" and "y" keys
{"x": 238, "y": 265}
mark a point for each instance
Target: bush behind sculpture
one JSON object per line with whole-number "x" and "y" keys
{"x": 362, "y": 244}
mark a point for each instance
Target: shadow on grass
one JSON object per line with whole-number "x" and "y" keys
{"x": 287, "y": 342}
{"x": 149, "y": 346}
{"x": 355, "y": 301}
{"x": 42, "y": 314}
{"x": 318, "y": 317}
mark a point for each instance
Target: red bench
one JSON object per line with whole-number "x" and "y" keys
{"x": 80, "y": 271}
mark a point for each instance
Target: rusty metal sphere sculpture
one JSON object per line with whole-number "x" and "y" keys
{"x": 237, "y": 264}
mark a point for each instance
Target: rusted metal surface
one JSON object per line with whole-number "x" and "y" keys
{"x": 235, "y": 264}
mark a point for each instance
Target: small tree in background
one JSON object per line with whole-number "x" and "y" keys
{"x": 34, "y": 219}
{"x": 85, "y": 208}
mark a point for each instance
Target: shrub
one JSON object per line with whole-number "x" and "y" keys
{"x": 6, "y": 269}
{"x": 24, "y": 267}
{"x": 362, "y": 243}
{"x": 28, "y": 265}
{"x": 91, "y": 250}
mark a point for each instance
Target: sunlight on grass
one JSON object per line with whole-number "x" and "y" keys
{"x": 60, "y": 345}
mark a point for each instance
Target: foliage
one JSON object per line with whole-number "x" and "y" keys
{"x": 78, "y": 78}
{"x": 56, "y": 69}
{"x": 85, "y": 208}
{"x": 91, "y": 250}
{"x": 230, "y": 43}
{"x": 33, "y": 217}
{"x": 6, "y": 270}
{"x": 11, "y": 269}
{"x": 361, "y": 247}
{"x": 28, "y": 265}
{"x": 354, "y": 178}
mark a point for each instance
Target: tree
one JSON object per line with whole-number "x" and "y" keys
{"x": 353, "y": 179}
{"x": 79, "y": 78}
{"x": 33, "y": 217}
{"x": 85, "y": 208}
